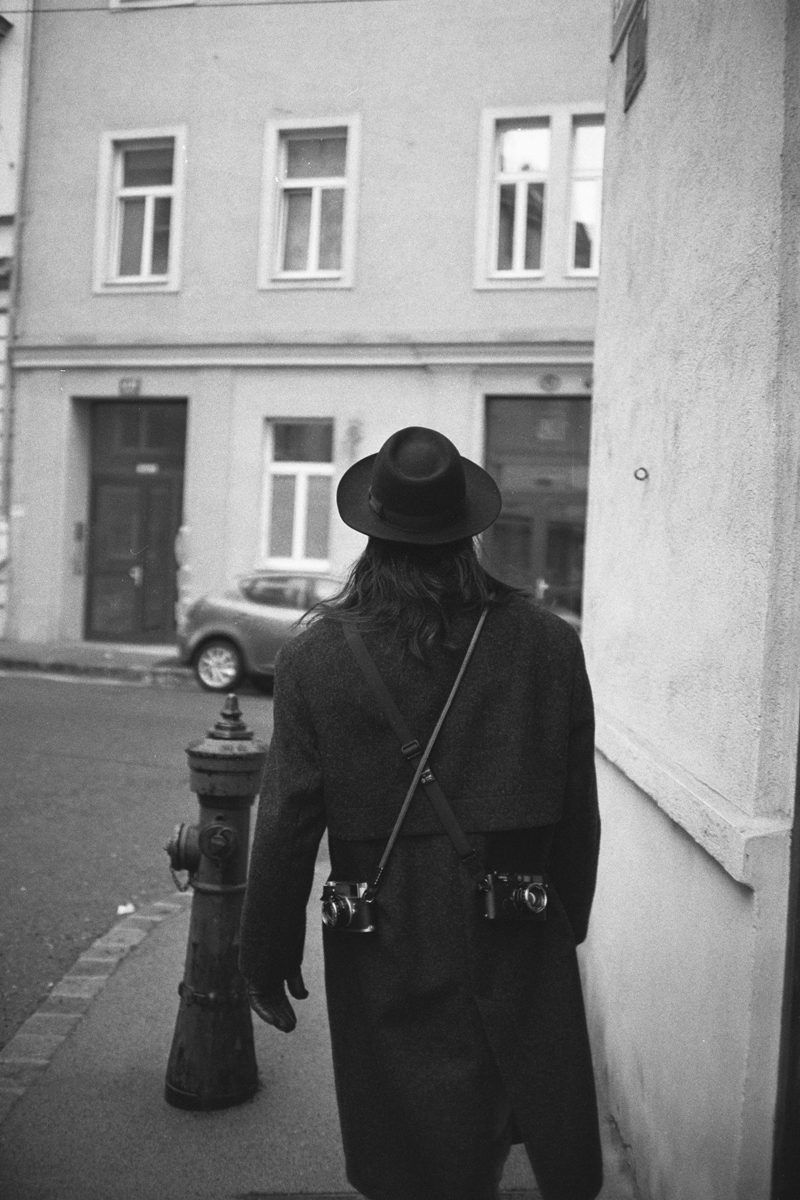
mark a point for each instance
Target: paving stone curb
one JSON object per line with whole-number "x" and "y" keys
{"x": 154, "y": 676}
{"x": 29, "y": 1052}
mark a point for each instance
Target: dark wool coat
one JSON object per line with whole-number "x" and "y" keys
{"x": 440, "y": 1014}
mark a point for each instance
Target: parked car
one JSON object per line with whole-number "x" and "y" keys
{"x": 237, "y": 633}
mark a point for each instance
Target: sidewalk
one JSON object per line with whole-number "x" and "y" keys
{"x": 155, "y": 665}
{"x": 82, "y": 1113}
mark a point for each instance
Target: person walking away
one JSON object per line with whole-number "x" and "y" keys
{"x": 456, "y": 1014}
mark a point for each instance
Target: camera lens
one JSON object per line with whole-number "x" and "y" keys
{"x": 533, "y": 897}
{"x": 337, "y": 911}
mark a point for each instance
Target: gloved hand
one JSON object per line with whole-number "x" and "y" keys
{"x": 272, "y": 1003}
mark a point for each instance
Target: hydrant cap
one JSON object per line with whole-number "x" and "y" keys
{"x": 230, "y": 727}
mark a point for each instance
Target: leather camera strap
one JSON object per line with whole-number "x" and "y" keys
{"x": 413, "y": 752}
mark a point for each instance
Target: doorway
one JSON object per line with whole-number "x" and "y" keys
{"x": 136, "y": 497}
{"x": 537, "y": 450}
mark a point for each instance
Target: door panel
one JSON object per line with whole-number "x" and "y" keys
{"x": 135, "y": 513}
{"x": 115, "y": 573}
{"x": 158, "y": 585}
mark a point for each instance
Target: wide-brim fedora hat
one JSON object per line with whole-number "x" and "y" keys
{"x": 418, "y": 488}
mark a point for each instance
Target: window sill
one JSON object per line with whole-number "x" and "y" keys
{"x": 121, "y": 5}
{"x": 307, "y": 281}
{"x": 539, "y": 283}
{"x": 131, "y": 287}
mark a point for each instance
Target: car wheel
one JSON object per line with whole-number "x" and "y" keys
{"x": 219, "y": 666}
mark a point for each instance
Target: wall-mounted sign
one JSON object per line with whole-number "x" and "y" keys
{"x": 636, "y": 54}
{"x": 622, "y": 13}
{"x": 147, "y": 468}
{"x": 131, "y": 386}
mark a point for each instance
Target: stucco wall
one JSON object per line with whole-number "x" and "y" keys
{"x": 678, "y": 571}
{"x": 680, "y": 983}
{"x": 419, "y": 74}
{"x": 691, "y": 622}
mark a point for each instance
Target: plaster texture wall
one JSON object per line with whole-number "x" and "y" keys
{"x": 659, "y": 1044}
{"x": 691, "y": 622}
{"x": 680, "y": 962}
{"x": 679, "y": 566}
{"x": 419, "y": 73}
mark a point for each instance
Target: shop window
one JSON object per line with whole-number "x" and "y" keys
{"x": 538, "y": 452}
{"x": 298, "y": 490}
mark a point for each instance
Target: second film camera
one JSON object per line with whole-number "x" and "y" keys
{"x": 514, "y": 897}
{"x": 345, "y": 906}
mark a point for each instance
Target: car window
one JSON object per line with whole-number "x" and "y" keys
{"x": 279, "y": 593}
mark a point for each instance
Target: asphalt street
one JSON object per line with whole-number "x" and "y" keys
{"x": 94, "y": 778}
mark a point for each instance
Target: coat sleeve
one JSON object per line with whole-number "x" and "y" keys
{"x": 289, "y": 825}
{"x": 573, "y": 861}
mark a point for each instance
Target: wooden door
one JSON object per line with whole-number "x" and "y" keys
{"x": 135, "y": 514}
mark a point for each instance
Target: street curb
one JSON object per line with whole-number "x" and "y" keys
{"x": 153, "y": 676}
{"x": 26, "y": 1056}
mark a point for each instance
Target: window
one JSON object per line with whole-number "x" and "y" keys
{"x": 539, "y": 194}
{"x": 522, "y": 160}
{"x": 309, "y": 200}
{"x": 588, "y": 140}
{"x": 537, "y": 450}
{"x": 297, "y": 494}
{"x": 139, "y": 204}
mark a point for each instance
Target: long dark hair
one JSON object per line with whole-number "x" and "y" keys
{"x": 413, "y": 593}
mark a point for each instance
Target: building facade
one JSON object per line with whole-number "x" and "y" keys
{"x": 691, "y": 620}
{"x": 14, "y": 44}
{"x": 258, "y": 239}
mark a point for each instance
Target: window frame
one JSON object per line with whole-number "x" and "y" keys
{"x": 578, "y": 176}
{"x": 554, "y": 269}
{"x": 107, "y": 279}
{"x": 301, "y": 471}
{"x": 521, "y": 182}
{"x": 270, "y": 272}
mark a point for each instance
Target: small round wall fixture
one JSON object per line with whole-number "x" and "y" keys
{"x": 641, "y": 473}
{"x": 550, "y": 382}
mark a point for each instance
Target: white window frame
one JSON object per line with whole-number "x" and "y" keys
{"x": 520, "y": 180}
{"x": 108, "y": 227}
{"x": 585, "y": 175}
{"x": 270, "y": 272}
{"x": 557, "y": 214}
{"x": 301, "y": 472}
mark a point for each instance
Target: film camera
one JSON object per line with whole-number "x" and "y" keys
{"x": 345, "y": 906}
{"x": 514, "y": 897}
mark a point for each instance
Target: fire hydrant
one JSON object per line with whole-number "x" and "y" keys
{"x": 212, "y": 1061}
